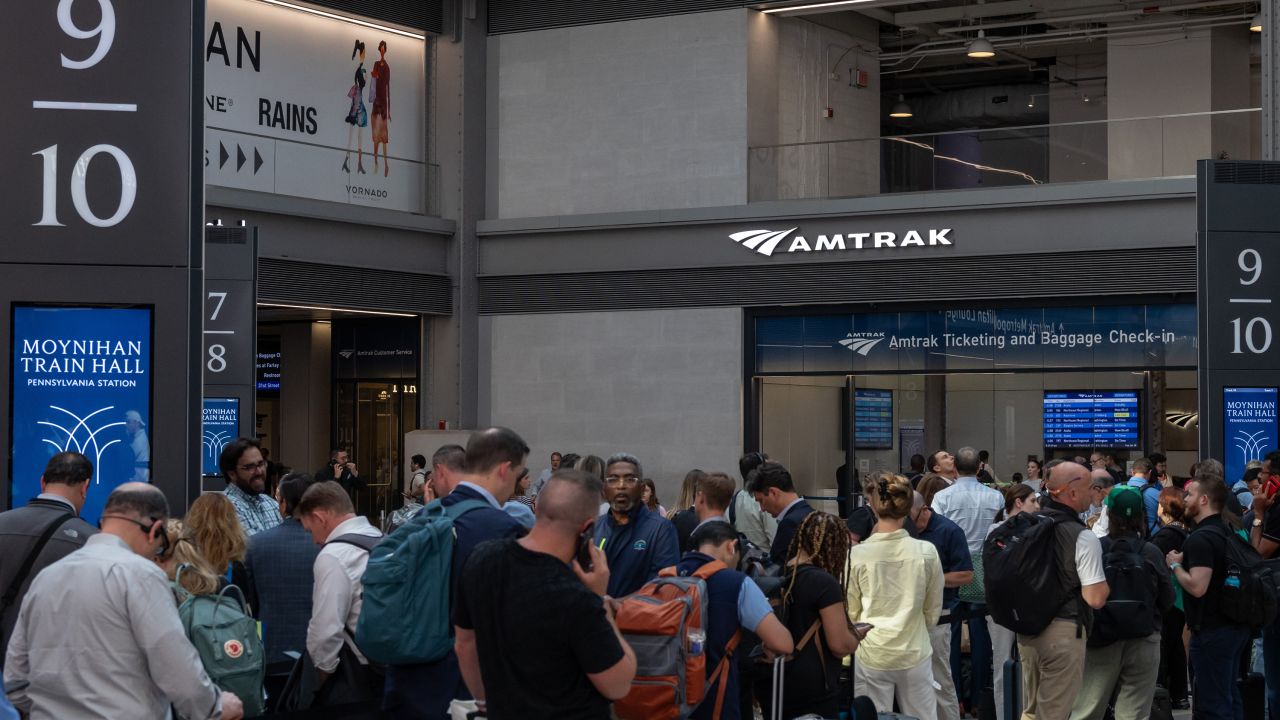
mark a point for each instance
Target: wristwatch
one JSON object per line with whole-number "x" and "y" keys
{"x": 1175, "y": 566}
{"x": 1257, "y": 522}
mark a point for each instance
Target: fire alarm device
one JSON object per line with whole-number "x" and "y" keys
{"x": 829, "y": 113}
{"x": 861, "y": 78}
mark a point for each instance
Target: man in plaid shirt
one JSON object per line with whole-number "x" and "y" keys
{"x": 245, "y": 471}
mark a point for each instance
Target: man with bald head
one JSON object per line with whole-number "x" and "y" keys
{"x": 99, "y": 635}
{"x": 1101, "y": 483}
{"x": 570, "y": 661}
{"x": 1053, "y": 661}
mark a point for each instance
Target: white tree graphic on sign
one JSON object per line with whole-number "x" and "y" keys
{"x": 73, "y": 439}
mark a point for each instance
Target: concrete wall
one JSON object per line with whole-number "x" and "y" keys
{"x": 665, "y": 385}
{"x": 305, "y": 394}
{"x": 632, "y": 115}
{"x": 1078, "y": 152}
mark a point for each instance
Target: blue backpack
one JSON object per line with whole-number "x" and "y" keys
{"x": 408, "y": 575}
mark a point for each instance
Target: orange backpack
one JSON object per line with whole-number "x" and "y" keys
{"x": 671, "y": 667}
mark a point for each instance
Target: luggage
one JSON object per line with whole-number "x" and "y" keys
{"x": 226, "y": 638}
{"x": 1134, "y": 587}
{"x": 1162, "y": 705}
{"x": 665, "y": 623}
{"x": 408, "y": 577}
{"x": 1020, "y": 563}
{"x": 1253, "y": 691}
{"x": 779, "y": 680}
{"x": 1013, "y": 686}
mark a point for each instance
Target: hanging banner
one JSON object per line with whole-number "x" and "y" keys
{"x": 298, "y": 104}
{"x": 221, "y": 426}
{"x": 1249, "y": 428}
{"x": 81, "y": 382}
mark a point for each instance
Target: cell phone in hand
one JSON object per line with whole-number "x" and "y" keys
{"x": 860, "y": 630}
{"x": 584, "y": 549}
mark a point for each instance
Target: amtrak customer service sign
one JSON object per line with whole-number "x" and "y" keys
{"x": 82, "y": 383}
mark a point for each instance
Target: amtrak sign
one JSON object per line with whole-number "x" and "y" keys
{"x": 767, "y": 242}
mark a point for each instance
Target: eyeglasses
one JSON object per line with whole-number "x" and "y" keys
{"x": 147, "y": 529}
{"x": 621, "y": 479}
{"x": 254, "y": 466}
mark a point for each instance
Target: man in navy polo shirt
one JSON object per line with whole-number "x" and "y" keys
{"x": 637, "y": 543}
{"x": 734, "y": 603}
{"x": 772, "y": 487}
{"x": 957, "y": 570}
{"x": 495, "y": 459}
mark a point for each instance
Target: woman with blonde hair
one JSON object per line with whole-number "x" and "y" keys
{"x": 212, "y": 525}
{"x": 895, "y": 585}
{"x": 197, "y": 577}
{"x": 813, "y": 609}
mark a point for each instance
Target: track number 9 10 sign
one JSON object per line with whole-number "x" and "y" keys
{"x": 98, "y": 42}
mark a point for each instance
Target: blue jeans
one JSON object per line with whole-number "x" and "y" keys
{"x": 1215, "y": 660}
{"x": 980, "y": 654}
{"x": 1271, "y": 668}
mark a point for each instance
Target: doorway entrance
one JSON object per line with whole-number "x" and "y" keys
{"x": 370, "y": 420}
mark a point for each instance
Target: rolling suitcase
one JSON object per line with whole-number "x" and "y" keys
{"x": 1162, "y": 705}
{"x": 1012, "y": 686}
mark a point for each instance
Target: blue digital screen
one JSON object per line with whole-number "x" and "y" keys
{"x": 268, "y": 365}
{"x": 1249, "y": 427}
{"x": 81, "y": 381}
{"x": 221, "y": 425}
{"x": 1092, "y": 419}
{"x": 873, "y": 419}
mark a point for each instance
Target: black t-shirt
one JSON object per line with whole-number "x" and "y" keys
{"x": 812, "y": 680}
{"x": 1206, "y": 547}
{"x": 861, "y": 522}
{"x": 539, "y": 633}
{"x": 1270, "y": 523}
{"x": 1169, "y": 538}
{"x": 686, "y": 521}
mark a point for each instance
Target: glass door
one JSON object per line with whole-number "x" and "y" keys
{"x": 371, "y": 419}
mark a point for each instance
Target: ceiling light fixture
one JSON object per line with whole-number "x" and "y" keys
{"x": 796, "y": 8}
{"x": 901, "y": 109}
{"x": 344, "y": 18}
{"x": 981, "y": 48}
{"x": 1255, "y": 24}
{"x": 386, "y": 313}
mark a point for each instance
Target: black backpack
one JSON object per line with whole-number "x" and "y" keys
{"x": 1134, "y": 590}
{"x": 1250, "y": 595}
{"x": 1022, "y": 581}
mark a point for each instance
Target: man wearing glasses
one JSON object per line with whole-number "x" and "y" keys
{"x": 245, "y": 471}
{"x": 105, "y": 630}
{"x": 636, "y": 542}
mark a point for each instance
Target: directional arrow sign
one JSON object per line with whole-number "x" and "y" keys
{"x": 240, "y": 158}
{"x": 257, "y": 161}
{"x": 222, "y": 155}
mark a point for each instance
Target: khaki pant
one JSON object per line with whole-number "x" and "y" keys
{"x": 948, "y": 703}
{"x": 1129, "y": 666}
{"x": 914, "y": 688}
{"x": 1052, "y": 670}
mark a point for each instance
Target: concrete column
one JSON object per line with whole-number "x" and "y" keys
{"x": 935, "y": 413}
{"x": 305, "y": 394}
{"x": 1270, "y": 81}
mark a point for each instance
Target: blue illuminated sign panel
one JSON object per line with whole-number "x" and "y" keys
{"x": 81, "y": 381}
{"x": 221, "y": 425}
{"x": 873, "y": 424}
{"x": 1092, "y": 419}
{"x": 1249, "y": 428}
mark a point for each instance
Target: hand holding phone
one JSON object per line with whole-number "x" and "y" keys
{"x": 583, "y": 555}
{"x": 860, "y": 630}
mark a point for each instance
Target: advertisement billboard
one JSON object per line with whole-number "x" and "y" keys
{"x": 1249, "y": 428}
{"x": 297, "y": 104}
{"x": 221, "y": 425}
{"x": 81, "y": 381}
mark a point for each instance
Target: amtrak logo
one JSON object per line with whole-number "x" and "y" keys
{"x": 640, "y": 545}
{"x": 346, "y": 354}
{"x": 862, "y": 343}
{"x": 766, "y": 242}
{"x": 1182, "y": 420}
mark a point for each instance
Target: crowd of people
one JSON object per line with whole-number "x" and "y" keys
{"x": 807, "y": 614}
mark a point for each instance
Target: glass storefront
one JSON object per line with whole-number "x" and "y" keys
{"x": 872, "y": 389}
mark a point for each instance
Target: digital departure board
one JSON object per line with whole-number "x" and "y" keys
{"x": 1092, "y": 419}
{"x": 873, "y": 412}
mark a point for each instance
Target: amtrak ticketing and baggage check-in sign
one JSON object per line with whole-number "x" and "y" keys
{"x": 101, "y": 234}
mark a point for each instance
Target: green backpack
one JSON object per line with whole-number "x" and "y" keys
{"x": 226, "y": 638}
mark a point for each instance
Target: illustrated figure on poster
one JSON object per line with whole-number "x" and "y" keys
{"x": 380, "y": 107}
{"x": 357, "y": 114}
{"x": 140, "y": 445}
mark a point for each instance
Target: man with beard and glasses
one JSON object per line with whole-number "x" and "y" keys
{"x": 245, "y": 471}
{"x": 637, "y": 542}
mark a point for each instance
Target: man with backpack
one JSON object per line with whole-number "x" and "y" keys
{"x": 1217, "y": 639}
{"x": 536, "y": 634}
{"x": 48, "y": 529}
{"x": 99, "y": 634}
{"x": 494, "y": 459}
{"x": 1264, "y": 535}
{"x": 1123, "y": 654}
{"x": 1144, "y": 481}
{"x": 1044, "y": 577}
{"x": 336, "y": 597}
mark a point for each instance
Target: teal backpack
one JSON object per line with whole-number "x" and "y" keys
{"x": 408, "y": 576}
{"x": 226, "y": 638}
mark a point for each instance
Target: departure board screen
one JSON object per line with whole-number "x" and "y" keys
{"x": 1092, "y": 419}
{"x": 873, "y": 425}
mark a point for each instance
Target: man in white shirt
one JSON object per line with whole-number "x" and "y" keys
{"x": 327, "y": 513}
{"x": 99, "y": 634}
{"x": 944, "y": 463}
{"x": 546, "y": 474}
